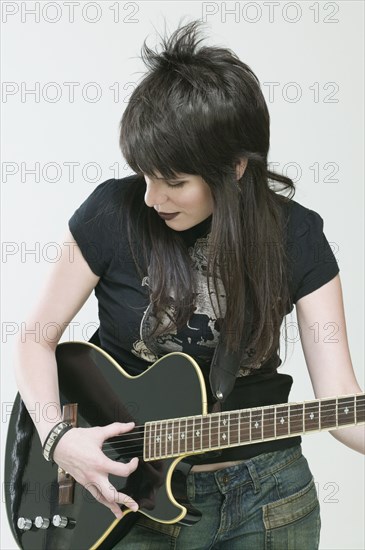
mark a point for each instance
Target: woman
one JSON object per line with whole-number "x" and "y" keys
{"x": 199, "y": 245}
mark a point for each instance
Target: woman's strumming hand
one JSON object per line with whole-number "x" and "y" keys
{"x": 79, "y": 453}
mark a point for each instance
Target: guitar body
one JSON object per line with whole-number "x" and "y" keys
{"x": 173, "y": 387}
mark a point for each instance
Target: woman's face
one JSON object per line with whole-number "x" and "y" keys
{"x": 187, "y": 199}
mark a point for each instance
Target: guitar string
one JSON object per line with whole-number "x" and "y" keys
{"x": 129, "y": 450}
{"x": 136, "y": 450}
{"x": 163, "y": 432}
{"x": 215, "y": 421}
{"x": 219, "y": 415}
{"x": 216, "y": 417}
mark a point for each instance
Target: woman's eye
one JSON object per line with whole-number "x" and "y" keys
{"x": 177, "y": 184}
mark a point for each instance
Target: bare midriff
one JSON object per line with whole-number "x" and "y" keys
{"x": 215, "y": 466}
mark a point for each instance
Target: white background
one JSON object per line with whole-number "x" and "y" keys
{"x": 313, "y": 51}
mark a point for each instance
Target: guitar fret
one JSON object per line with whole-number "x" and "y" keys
{"x": 147, "y": 442}
{"x": 224, "y": 430}
{"x": 163, "y": 435}
{"x": 245, "y": 426}
{"x": 158, "y": 439}
{"x": 268, "y": 422}
{"x": 328, "y": 413}
{"x": 336, "y": 412}
{"x": 165, "y": 440}
{"x": 178, "y": 436}
{"x": 193, "y": 434}
{"x": 346, "y": 412}
{"x": 153, "y": 443}
{"x": 282, "y": 421}
{"x": 176, "y": 441}
{"x": 360, "y": 408}
{"x": 275, "y": 415}
{"x": 239, "y": 427}
{"x": 234, "y": 428}
{"x": 181, "y": 440}
{"x": 355, "y": 411}
{"x": 311, "y": 416}
{"x": 319, "y": 414}
{"x": 262, "y": 423}
{"x": 198, "y": 436}
{"x": 296, "y": 418}
{"x": 229, "y": 429}
{"x": 169, "y": 438}
{"x": 214, "y": 440}
{"x": 250, "y": 425}
{"x": 183, "y": 435}
{"x": 210, "y": 431}
{"x": 205, "y": 427}
{"x": 256, "y": 425}
{"x": 190, "y": 435}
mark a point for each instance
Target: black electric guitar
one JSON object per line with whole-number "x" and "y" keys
{"x": 48, "y": 510}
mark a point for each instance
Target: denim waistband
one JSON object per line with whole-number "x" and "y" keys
{"x": 248, "y": 471}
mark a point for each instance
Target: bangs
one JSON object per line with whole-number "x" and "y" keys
{"x": 172, "y": 139}
{"x": 147, "y": 156}
{"x": 174, "y": 124}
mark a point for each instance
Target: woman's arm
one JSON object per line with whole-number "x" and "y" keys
{"x": 69, "y": 284}
{"x": 329, "y": 361}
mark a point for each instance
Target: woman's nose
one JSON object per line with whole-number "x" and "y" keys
{"x": 154, "y": 194}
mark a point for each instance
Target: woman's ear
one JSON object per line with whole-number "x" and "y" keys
{"x": 240, "y": 168}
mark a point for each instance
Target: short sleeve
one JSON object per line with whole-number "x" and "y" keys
{"x": 93, "y": 227}
{"x": 313, "y": 261}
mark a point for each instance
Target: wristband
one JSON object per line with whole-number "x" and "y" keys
{"x": 53, "y": 439}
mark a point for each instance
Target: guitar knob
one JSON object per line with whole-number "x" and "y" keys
{"x": 24, "y": 524}
{"x": 59, "y": 521}
{"x": 41, "y": 523}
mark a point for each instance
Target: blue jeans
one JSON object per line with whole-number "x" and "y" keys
{"x": 268, "y": 502}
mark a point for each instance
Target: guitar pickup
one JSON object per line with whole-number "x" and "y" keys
{"x": 66, "y": 483}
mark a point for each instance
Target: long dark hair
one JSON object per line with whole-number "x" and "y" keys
{"x": 199, "y": 111}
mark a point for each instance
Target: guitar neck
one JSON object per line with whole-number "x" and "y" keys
{"x": 201, "y": 433}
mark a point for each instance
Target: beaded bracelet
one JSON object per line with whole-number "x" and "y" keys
{"x": 53, "y": 439}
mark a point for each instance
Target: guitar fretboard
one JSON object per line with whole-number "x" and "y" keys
{"x": 196, "y": 434}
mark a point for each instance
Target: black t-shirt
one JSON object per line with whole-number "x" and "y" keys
{"x": 125, "y": 311}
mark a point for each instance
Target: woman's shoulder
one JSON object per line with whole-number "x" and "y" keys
{"x": 107, "y": 196}
{"x": 97, "y": 224}
{"x": 312, "y": 260}
{"x": 105, "y": 204}
{"x": 300, "y": 219}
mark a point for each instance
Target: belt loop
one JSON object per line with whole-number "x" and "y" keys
{"x": 190, "y": 486}
{"x": 254, "y": 476}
